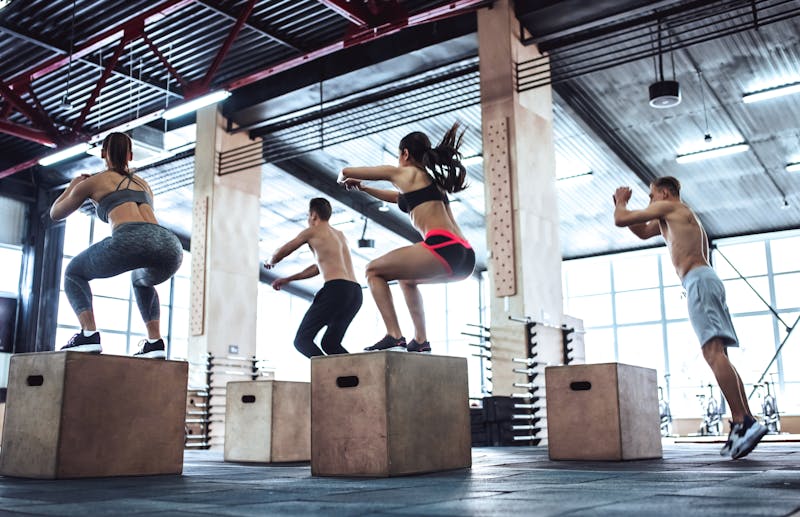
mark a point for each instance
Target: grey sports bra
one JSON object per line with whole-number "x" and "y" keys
{"x": 119, "y": 196}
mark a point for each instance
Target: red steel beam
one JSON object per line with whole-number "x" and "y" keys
{"x": 178, "y": 77}
{"x": 363, "y": 36}
{"x": 100, "y": 40}
{"x": 19, "y": 167}
{"x": 27, "y": 133}
{"x": 39, "y": 119}
{"x": 226, "y": 46}
{"x": 353, "y": 12}
{"x": 126, "y": 38}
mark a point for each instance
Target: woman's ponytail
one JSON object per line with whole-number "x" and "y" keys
{"x": 444, "y": 160}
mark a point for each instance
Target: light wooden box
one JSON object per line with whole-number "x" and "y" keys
{"x": 268, "y": 421}
{"x": 388, "y": 414}
{"x": 73, "y": 414}
{"x": 602, "y": 412}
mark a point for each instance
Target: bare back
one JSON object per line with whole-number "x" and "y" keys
{"x": 330, "y": 248}
{"x": 106, "y": 182}
{"x": 427, "y": 216}
{"x": 685, "y": 237}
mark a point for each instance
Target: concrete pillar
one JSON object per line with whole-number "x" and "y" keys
{"x": 225, "y": 261}
{"x": 522, "y": 204}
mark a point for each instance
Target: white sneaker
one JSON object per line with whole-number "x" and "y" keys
{"x": 745, "y": 437}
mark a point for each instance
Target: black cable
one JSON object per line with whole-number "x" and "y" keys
{"x": 65, "y": 100}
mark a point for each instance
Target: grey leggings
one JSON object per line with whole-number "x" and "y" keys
{"x": 151, "y": 252}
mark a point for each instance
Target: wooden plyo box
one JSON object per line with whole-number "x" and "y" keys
{"x": 602, "y": 412}
{"x": 73, "y": 415}
{"x": 383, "y": 414}
{"x": 268, "y": 421}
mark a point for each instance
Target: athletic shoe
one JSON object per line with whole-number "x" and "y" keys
{"x": 746, "y": 436}
{"x": 81, "y": 343}
{"x": 413, "y": 346}
{"x": 726, "y": 449}
{"x": 151, "y": 350}
{"x": 388, "y": 343}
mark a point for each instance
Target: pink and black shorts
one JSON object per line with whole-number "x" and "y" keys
{"x": 452, "y": 251}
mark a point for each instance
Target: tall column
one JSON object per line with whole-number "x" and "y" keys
{"x": 225, "y": 263}
{"x": 522, "y": 204}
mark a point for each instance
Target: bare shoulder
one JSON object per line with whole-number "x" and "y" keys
{"x": 683, "y": 210}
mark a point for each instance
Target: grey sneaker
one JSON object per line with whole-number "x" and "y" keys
{"x": 745, "y": 437}
{"x": 726, "y": 449}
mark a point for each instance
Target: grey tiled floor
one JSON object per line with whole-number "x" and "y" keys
{"x": 691, "y": 479}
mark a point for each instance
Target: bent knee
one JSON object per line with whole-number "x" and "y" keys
{"x": 373, "y": 270}
{"x": 408, "y": 284}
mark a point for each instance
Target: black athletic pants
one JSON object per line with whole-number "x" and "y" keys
{"x": 334, "y": 306}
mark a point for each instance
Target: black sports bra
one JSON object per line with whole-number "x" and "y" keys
{"x": 114, "y": 199}
{"x": 408, "y": 201}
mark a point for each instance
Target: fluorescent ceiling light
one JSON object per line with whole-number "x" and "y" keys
{"x": 196, "y": 104}
{"x": 62, "y": 155}
{"x": 711, "y": 153}
{"x": 4, "y": 4}
{"x": 793, "y": 167}
{"x": 472, "y": 160}
{"x": 771, "y": 93}
{"x": 127, "y": 126}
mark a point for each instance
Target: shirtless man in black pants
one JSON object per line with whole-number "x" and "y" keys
{"x": 337, "y": 303}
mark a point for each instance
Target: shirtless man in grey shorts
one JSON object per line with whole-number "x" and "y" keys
{"x": 688, "y": 247}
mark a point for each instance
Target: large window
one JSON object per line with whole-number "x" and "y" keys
{"x": 10, "y": 265}
{"x": 116, "y": 314}
{"x": 634, "y": 310}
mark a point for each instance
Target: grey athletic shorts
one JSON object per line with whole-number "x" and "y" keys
{"x": 708, "y": 311}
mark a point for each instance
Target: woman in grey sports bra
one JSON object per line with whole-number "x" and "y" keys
{"x": 137, "y": 244}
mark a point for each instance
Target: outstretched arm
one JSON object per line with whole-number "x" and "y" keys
{"x": 390, "y": 196}
{"x": 377, "y": 173}
{"x": 288, "y": 248}
{"x": 72, "y": 198}
{"x": 643, "y": 223}
{"x": 308, "y": 272}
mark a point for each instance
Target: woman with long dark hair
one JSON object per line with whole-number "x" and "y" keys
{"x": 423, "y": 178}
{"x": 137, "y": 244}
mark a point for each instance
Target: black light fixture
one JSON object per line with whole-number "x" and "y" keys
{"x": 365, "y": 243}
{"x": 663, "y": 93}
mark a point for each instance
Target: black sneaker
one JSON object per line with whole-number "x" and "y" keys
{"x": 413, "y": 346}
{"x": 81, "y": 343}
{"x": 388, "y": 343}
{"x": 151, "y": 350}
{"x": 745, "y": 437}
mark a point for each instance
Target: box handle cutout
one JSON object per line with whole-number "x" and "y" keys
{"x": 248, "y": 399}
{"x": 35, "y": 380}
{"x": 580, "y": 386}
{"x": 349, "y": 381}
